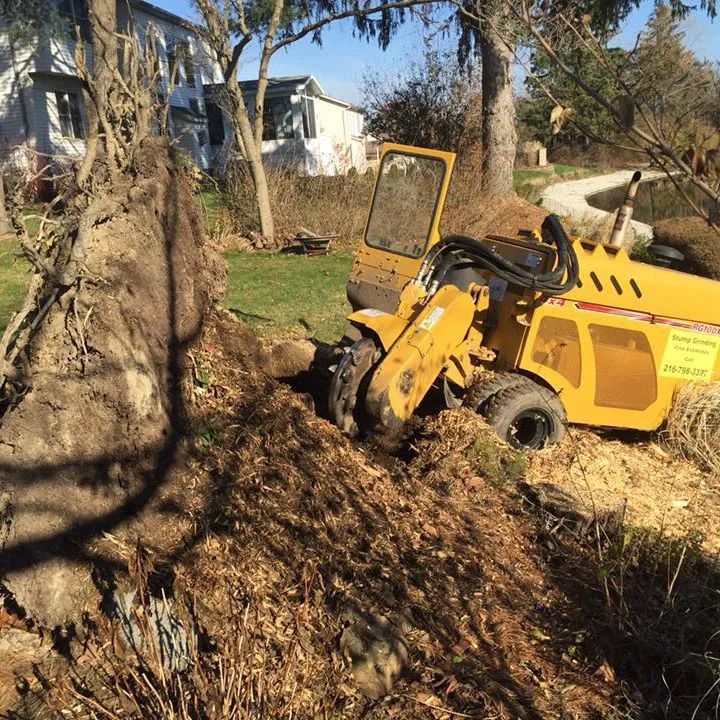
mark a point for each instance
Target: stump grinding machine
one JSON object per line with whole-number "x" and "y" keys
{"x": 533, "y": 332}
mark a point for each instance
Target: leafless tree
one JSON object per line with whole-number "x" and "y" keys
{"x": 4, "y": 223}
{"x": 232, "y": 25}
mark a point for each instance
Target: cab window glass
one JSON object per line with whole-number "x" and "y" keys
{"x": 407, "y": 192}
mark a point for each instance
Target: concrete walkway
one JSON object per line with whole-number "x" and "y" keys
{"x": 570, "y": 198}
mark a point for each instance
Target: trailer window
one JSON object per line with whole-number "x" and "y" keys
{"x": 557, "y": 346}
{"x": 625, "y": 375}
{"x": 403, "y": 209}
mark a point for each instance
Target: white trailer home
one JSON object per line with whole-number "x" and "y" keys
{"x": 303, "y": 128}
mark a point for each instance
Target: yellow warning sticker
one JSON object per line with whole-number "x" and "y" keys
{"x": 689, "y": 355}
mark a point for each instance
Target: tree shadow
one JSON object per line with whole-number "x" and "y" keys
{"x": 649, "y": 607}
{"x": 126, "y": 482}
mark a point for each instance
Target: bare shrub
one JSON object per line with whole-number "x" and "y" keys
{"x": 326, "y": 205}
{"x": 433, "y": 104}
{"x": 693, "y": 425}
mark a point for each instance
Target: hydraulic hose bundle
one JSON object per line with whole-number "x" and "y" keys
{"x": 457, "y": 252}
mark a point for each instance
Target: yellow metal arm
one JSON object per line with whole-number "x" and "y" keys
{"x": 418, "y": 356}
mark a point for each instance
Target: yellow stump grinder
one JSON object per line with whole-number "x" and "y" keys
{"x": 533, "y": 331}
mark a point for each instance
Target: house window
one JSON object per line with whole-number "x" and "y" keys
{"x": 178, "y": 52}
{"x": 202, "y": 137}
{"x": 76, "y": 12}
{"x": 195, "y": 106}
{"x": 157, "y": 66}
{"x": 308, "y": 116}
{"x": 71, "y": 124}
{"x": 188, "y": 63}
{"x": 278, "y": 119}
{"x": 171, "y": 54}
{"x": 215, "y": 123}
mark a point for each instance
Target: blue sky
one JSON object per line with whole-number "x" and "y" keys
{"x": 341, "y": 62}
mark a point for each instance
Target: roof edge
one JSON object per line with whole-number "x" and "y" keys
{"x": 164, "y": 14}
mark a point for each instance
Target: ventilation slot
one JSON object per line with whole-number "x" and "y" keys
{"x": 616, "y": 285}
{"x": 636, "y": 288}
{"x": 596, "y": 280}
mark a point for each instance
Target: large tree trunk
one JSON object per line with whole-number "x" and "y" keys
{"x": 91, "y": 408}
{"x": 499, "y": 136}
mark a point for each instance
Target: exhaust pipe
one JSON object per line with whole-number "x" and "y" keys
{"x": 625, "y": 212}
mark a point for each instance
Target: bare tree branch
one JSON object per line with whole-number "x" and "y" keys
{"x": 650, "y": 139}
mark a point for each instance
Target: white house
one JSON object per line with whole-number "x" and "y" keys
{"x": 41, "y": 101}
{"x": 304, "y": 128}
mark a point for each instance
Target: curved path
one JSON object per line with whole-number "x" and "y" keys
{"x": 570, "y": 198}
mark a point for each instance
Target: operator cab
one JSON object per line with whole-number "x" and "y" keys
{"x": 403, "y": 224}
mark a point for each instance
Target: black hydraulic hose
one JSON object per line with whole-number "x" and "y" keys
{"x": 560, "y": 280}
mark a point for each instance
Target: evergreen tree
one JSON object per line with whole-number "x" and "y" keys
{"x": 679, "y": 89}
{"x": 535, "y": 112}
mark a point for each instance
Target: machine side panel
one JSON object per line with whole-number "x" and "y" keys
{"x": 609, "y": 366}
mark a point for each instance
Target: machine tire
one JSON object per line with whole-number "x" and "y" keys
{"x": 490, "y": 384}
{"x": 348, "y": 384}
{"x": 526, "y": 415}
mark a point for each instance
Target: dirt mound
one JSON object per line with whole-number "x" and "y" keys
{"x": 90, "y": 438}
{"x": 698, "y": 242}
{"x": 468, "y": 216}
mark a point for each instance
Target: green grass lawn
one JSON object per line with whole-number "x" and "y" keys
{"x": 277, "y": 295}
{"x": 13, "y": 281}
{"x": 290, "y": 294}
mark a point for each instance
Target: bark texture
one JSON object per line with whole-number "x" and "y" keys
{"x": 498, "y": 107}
{"x": 4, "y": 224}
{"x": 252, "y": 150}
{"x": 88, "y": 446}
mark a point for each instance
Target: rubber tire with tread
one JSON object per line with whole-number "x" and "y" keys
{"x": 528, "y": 402}
{"x": 489, "y": 385}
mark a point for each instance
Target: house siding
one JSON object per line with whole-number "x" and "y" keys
{"x": 12, "y": 125}
{"x": 44, "y": 71}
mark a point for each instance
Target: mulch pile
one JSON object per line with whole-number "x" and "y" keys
{"x": 306, "y": 530}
